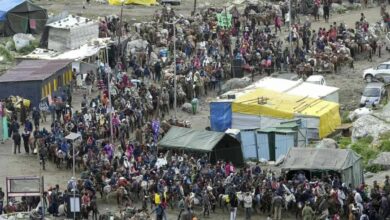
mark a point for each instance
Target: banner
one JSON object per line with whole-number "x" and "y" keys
{"x": 224, "y": 20}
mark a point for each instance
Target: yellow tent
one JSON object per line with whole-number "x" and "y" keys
{"x": 128, "y": 2}
{"x": 280, "y": 105}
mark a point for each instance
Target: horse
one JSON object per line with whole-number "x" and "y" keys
{"x": 60, "y": 157}
{"x": 62, "y": 210}
{"x": 288, "y": 197}
{"x": 266, "y": 201}
{"x": 121, "y": 194}
{"x": 86, "y": 210}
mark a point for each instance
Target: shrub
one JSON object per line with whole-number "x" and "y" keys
{"x": 374, "y": 168}
{"x": 384, "y": 146}
{"x": 363, "y": 148}
{"x": 343, "y": 142}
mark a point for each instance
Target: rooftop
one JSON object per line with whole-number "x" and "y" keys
{"x": 70, "y": 22}
{"x": 33, "y": 70}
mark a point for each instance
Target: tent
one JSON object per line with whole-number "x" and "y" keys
{"x": 220, "y": 146}
{"x": 263, "y": 108}
{"x": 21, "y": 16}
{"x": 343, "y": 161}
{"x": 136, "y": 2}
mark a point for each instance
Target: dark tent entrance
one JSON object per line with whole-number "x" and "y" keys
{"x": 218, "y": 145}
{"x": 21, "y": 16}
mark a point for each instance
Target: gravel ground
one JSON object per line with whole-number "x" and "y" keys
{"x": 349, "y": 81}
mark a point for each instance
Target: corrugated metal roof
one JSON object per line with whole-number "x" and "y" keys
{"x": 33, "y": 70}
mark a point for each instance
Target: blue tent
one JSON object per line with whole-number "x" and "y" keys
{"x": 21, "y": 16}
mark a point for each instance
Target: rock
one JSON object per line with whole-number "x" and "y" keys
{"x": 327, "y": 143}
{"x": 187, "y": 107}
{"x": 369, "y": 125}
{"x": 368, "y": 175}
{"x": 22, "y": 40}
{"x": 358, "y": 113}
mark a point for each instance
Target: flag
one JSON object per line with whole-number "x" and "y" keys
{"x": 155, "y": 128}
{"x": 33, "y": 24}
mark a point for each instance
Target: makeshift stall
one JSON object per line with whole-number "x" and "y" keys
{"x": 218, "y": 145}
{"x": 263, "y": 108}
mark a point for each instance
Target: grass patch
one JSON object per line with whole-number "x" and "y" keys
{"x": 345, "y": 118}
{"x": 374, "y": 168}
{"x": 385, "y": 146}
{"x": 344, "y": 142}
{"x": 363, "y": 148}
{"x": 6, "y": 54}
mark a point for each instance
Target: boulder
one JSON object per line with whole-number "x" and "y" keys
{"x": 369, "y": 125}
{"x": 22, "y": 40}
{"x": 327, "y": 143}
{"x": 357, "y": 113}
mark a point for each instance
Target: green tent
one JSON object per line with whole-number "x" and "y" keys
{"x": 345, "y": 162}
{"x": 21, "y": 16}
{"x": 220, "y": 146}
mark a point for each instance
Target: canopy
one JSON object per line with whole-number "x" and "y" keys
{"x": 136, "y": 2}
{"x": 268, "y": 103}
{"x": 186, "y": 138}
{"x": 21, "y": 16}
{"x": 220, "y": 145}
{"x": 344, "y": 161}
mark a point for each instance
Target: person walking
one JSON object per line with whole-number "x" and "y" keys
{"x": 157, "y": 71}
{"x": 1, "y": 200}
{"x": 160, "y": 212}
{"x": 307, "y": 212}
{"x": 326, "y": 8}
{"x": 36, "y": 115}
{"x": 277, "y": 204}
{"x": 26, "y": 139}
{"x": 233, "y": 206}
{"x": 278, "y": 24}
{"x": 248, "y": 205}
{"x": 17, "y": 139}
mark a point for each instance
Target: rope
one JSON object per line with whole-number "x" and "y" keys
{"x": 27, "y": 18}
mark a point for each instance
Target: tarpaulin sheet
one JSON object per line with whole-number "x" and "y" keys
{"x": 220, "y": 116}
{"x": 187, "y": 138}
{"x": 129, "y": 2}
{"x": 344, "y": 161}
{"x": 280, "y": 105}
{"x": 7, "y": 5}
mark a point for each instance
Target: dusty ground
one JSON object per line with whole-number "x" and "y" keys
{"x": 130, "y": 12}
{"x": 349, "y": 81}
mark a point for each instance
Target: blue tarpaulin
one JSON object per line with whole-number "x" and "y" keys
{"x": 7, "y": 5}
{"x": 220, "y": 116}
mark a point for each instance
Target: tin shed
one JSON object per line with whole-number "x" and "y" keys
{"x": 36, "y": 79}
